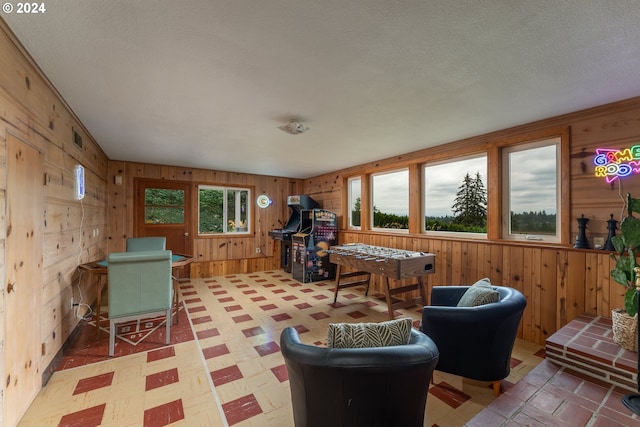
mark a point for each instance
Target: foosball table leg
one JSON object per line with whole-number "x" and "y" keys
{"x": 388, "y": 295}
{"x": 390, "y": 292}
{"x": 423, "y": 290}
{"x": 335, "y": 292}
{"x": 361, "y": 278}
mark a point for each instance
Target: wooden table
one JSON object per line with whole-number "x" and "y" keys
{"x": 99, "y": 270}
{"x": 389, "y": 263}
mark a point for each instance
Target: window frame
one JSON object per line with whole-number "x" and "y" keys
{"x": 371, "y": 201}
{"x": 448, "y": 233}
{"x": 225, "y": 217}
{"x": 350, "y": 200}
{"x": 562, "y": 199}
{"x": 146, "y": 207}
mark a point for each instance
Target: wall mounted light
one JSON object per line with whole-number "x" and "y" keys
{"x": 263, "y": 201}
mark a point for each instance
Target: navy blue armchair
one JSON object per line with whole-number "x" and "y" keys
{"x": 359, "y": 387}
{"x": 474, "y": 342}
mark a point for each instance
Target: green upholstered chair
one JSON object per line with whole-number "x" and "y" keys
{"x": 140, "y": 287}
{"x": 135, "y": 244}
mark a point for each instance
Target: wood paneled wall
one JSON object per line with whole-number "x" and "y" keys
{"x": 217, "y": 255}
{"x": 559, "y": 282}
{"x": 32, "y": 111}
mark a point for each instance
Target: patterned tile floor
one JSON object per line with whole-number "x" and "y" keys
{"x": 232, "y": 373}
{"x": 581, "y": 383}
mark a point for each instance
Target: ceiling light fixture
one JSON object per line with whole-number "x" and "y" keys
{"x": 294, "y": 127}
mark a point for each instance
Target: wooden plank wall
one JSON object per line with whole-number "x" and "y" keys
{"x": 559, "y": 282}
{"x": 215, "y": 255}
{"x": 32, "y": 110}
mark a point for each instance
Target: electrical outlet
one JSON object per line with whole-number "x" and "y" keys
{"x": 257, "y": 250}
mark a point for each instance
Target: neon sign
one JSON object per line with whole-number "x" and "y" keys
{"x": 613, "y": 164}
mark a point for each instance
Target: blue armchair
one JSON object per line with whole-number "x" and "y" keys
{"x": 140, "y": 286}
{"x": 358, "y": 387}
{"x": 474, "y": 342}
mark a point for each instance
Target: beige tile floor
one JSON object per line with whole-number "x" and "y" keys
{"x": 233, "y": 372}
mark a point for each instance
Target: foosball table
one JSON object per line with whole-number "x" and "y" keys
{"x": 389, "y": 263}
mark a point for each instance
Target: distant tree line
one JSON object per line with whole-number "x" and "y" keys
{"x": 469, "y": 209}
{"x": 469, "y": 214}
{"x": 533, "y": 222}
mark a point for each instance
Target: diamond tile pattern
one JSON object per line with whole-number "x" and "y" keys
{"x": 161, "y": 379}
{"x": 165, "y": 414}
{"x": 233, "y": 372}
{"x": 94, "y": 383}
{"x": 89, "y": 417}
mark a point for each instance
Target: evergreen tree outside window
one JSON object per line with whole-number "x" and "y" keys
{"x": 470, "y": 205}
{"x": 390, "y": 197}
{"x": 455, "y": 196}
{"x": 223, "y": 210}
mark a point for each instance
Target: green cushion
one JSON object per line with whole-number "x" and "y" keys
{"x": 479, "y": 293}
{"x": 360, "y": 335}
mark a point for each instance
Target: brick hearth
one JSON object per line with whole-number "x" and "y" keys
{"x": 586, "y": 345}
{"x": 580, "y": 383}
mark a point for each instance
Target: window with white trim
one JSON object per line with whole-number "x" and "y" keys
{"x": 455, "y": 196}
{"x": 354, "y": 184}
{"x": 223, "y": 210}
{"x": 531, "y": 191}
{"x": 390, "y": 200}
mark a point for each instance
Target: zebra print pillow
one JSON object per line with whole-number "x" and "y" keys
{"x": 359, "y": 335}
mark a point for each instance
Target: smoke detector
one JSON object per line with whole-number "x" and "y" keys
{"x": 294, "y": 127}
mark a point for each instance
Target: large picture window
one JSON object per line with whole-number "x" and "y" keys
{"x": 455, "y": 196}
{"x": 223, "y": 210}
{"x": 390, "y": 200}
{"x": 355, "y": 200}
{"x": 531, "y": 191}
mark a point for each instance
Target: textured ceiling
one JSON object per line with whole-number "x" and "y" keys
{"x": 206, "y": 83}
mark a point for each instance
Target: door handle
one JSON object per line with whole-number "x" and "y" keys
{"x": 186, "y": 234}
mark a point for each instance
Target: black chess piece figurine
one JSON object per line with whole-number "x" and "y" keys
{"x": 581, "y": 240}
{"x": 612, "y": 225}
